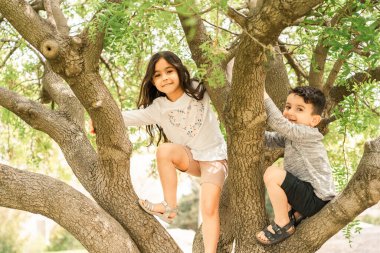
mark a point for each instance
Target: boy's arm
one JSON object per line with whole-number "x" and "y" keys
{"x": 274, "y": 140}
{"x": 284, "y": 127}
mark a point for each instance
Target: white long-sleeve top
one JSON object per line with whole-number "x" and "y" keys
{"x": 186, "y": 121}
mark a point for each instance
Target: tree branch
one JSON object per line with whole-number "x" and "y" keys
{"x": 56, "y": 17}
{"x": 362, "y": 192}
{"x": 196, "y": 37}
{"x": 63, "y": 96}
{"x": 299, "y": 70}
{"x": 236, "y": 16}
{"x": 337, "y": 93}
{"x": 10, "y": 54}
{"x": 317, "y": 66}
{"x": 60, "y": 202}
{"x": 26, "y": 21}
{"x": 72, "y": 140}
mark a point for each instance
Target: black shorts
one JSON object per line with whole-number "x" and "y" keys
{"x": 301, "y": 196}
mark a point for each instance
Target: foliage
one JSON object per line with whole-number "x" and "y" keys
{"x": 136, "y": 29}
{"x": 370, "y": 219}
{"x": 10, "y": 240}
{"x": 188, "y": 210}
{"x": 357, "y": 123}
{"x": 60, "y": 239}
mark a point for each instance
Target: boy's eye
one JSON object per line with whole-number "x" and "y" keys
{"x": 300, "y": 109}
{"x": 287, "y": 107}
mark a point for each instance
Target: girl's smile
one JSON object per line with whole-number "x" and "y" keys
{"x": 166, "y": 80}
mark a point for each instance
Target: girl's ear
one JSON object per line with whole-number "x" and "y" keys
{"x": 315, "y": 120}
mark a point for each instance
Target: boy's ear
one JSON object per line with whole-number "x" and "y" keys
{"x": 316, "y": 119}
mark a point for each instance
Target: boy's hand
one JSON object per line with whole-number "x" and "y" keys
{"x": 92, "y": 129}
{"x": 265, "y": 94}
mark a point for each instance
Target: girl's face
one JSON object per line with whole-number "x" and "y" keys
{"x": 166, "y": 80}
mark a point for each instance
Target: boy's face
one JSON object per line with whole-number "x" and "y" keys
{"x": 299, "y": 112}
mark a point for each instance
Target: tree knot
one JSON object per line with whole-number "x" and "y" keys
{"x": 50, "y": 49}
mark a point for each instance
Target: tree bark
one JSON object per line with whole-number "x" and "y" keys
{"x": 82, "y": 217}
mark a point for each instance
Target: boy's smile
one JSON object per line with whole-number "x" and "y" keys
{"x": 299, "y": 112}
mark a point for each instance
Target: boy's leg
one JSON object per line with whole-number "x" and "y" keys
{"x": 210, "y": 196}
{"x": 171, "y": 156}
{"x": 273, "y": 179}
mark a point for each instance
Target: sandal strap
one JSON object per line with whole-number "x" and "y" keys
{"x": 168, "y": 209}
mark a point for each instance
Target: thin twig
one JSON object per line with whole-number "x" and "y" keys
{"x": 108, "y": 67}
{"x": 219, "y": 27}
{"x": 371, "y": 108}
{"x": 10, "y": 54}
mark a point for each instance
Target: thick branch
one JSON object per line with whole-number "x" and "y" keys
{"x": 196, "y": 36}
{"x": 236, "y": 16}
{"x": 63, "y": 96}
{"x": 26, "y": 21}
{"x": 72, "y": 140}
{"x": 56, "y": 17}
{"x": 82, "y": 217}
{"x": 274, "y": 16}
{"x": 333, "y": 75}
{"x": 317, "y": 66}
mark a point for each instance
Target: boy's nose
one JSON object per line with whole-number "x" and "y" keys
{"x": 288, "y": 114}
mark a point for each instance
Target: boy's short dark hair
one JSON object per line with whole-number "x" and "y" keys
{"x": 312, "y": 96}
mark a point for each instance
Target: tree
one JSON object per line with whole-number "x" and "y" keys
{"x": 345, "y": 31}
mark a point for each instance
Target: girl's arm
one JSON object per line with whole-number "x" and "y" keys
{"x": 147, "y": 116}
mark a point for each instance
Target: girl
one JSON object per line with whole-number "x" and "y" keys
{"x": 180, "y": 109}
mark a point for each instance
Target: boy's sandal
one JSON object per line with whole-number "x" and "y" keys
{"x": 292, "y": 217}
{"x": 280, "y": 233}
{"x": 149, "y": 208}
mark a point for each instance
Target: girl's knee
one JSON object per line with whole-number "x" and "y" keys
{"x": 164, "y": 150}
{"x": 209, "y": 210}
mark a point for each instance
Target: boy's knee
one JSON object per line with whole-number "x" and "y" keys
{"x": 274, "y": 175}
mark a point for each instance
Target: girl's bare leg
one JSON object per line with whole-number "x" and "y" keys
{"x": 210, "y": 195}
{"x": 170, "y": 157}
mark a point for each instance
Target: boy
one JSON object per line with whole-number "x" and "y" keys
{"x": 305, "y": 184}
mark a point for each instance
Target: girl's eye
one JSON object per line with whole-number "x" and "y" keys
{"x": 155, "y": 76}
{"x": 299, "y": 109}
{"x": 287, "y": 107}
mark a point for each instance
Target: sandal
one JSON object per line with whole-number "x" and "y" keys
{"x": 280, "y": 233}
{"x": 292, "y": 217}
{"x": 149, "y": 208}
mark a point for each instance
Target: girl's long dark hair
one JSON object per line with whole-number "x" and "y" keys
{"x": 149, "y": 92}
